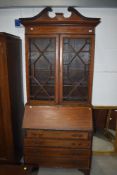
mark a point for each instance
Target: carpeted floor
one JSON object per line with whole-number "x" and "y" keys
{"x": 104, "y": 165}
{"x": 101, "y": 165}
{"x": 101, "y": 143}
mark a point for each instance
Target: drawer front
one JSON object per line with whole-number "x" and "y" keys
{"x": 57, "y": 143}
{"x": 57, "y": 134}
{"x": 57, "y": 162}
{"x": 57, "y": 152}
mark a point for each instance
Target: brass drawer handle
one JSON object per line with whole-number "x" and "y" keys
{"x": 35, "y": 134}
{"x": 73, "y": 144}
{"x": 77, "y": 135}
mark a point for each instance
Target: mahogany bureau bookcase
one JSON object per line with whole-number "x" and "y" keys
{"x": 59, "y": 70}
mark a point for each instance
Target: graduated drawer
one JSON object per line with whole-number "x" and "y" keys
{"x": 57, "y": 134}
{"x": 56, "y": 143}
{"x": 58, "y": 162}
{"x": 57, "y": 152}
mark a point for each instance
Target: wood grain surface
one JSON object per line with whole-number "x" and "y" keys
{"x": 57, "y": 118}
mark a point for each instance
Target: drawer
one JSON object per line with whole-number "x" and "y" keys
{"x": 81, "y": 153}
{"x": 58, "y": 162}
{"x": 57, "y": 134}
{"x": 57, "y": 152}
{"x": 57, "y": 143}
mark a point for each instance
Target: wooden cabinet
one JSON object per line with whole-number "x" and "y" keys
{"x": 58, "y": 137}
{"x": 11, "y": 98}
{"x": 59, "y": 73}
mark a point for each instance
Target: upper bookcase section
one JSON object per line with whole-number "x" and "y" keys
{"x": 75, "y": 19}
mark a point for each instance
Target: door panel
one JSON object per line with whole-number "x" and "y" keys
{"x": 6, "y": 148}
{"x": 42, "y": 71}
{"x": 60, "y": 68}
{"x": 2, "y": 136}
{"x": 76, "y": 58}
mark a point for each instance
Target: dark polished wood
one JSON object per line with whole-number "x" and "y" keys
{"x": 11, "y": 98}
{"x": 60, "y": 134}
{"x": 12, "y": 169}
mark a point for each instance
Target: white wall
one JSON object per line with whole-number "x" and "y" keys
{"x": 105, "y": 65}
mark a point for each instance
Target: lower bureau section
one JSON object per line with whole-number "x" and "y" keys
{"x": 57, "y": 152}
{"x": 58, "y": 162}
{"x": 60, "y": 143}
{"x": 64, "y": 144}
{"x": 56, "y": 157}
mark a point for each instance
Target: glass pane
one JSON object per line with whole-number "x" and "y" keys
{"x": 76, "y": 59}
{"x": 42, "y": 68}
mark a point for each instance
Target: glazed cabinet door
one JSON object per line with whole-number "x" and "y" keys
{"x": 60, "y": 68}
{"x": 42, "y": 75}
{"x": 76, "y": 68}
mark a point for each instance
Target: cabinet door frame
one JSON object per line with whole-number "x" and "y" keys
{"x": 5, "y": 106}
{"x": 56, "y": 89}
{"x": 59, "y": 69}
{"x": 91, "y": 67}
